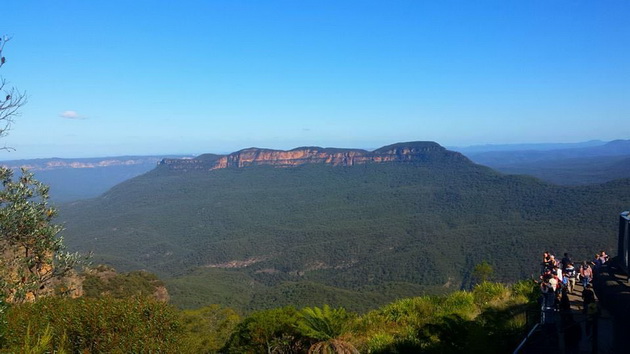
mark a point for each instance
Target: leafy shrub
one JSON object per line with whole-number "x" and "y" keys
{"x": 103, "y": 325}
{"x": 489, "y": 318}
{"x": 461, "y": 303}
{"x": 40, "y": 343}
{"x": 485, "y": 293}
{"x": 323, "y": 323}
{"x": 528, "y": 289}
{"x": 326, "y": 325}
{"x": 379, "y": 342}
{"x": 206, "y": 330}
{"x": 267, "y": 331}
{"x": 32, "y": 256}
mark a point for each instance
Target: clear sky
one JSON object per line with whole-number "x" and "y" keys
{"x": 112, "y": 77}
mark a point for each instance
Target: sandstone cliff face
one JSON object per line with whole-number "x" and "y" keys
{"x": 403, "y": 152}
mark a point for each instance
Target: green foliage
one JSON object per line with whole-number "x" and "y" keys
{"x": 267, "y": 331}
{"x": 485, "y": 293}
{"x": 489, "y": 319}
{"x": 459, "y": 322}
{"x": 323, "y": 323}
{"x": 213, "y": 286}
{"x": 94, "y": 325}
{"x": 482, "y": 272}
{"x": 107, "y": 282}
{"x": 326, "y": 325}
{"x": 246, "y": 292}
{"x": 39, "y": 344}
{"x": 529, "y": 290}
{"x": 206, "y": 330}
{"x": 32, "y": 256}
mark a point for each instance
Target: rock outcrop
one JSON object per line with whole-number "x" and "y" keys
{"x": 402, "y": 152}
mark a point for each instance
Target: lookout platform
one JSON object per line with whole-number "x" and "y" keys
{"x": 609, "y": 332}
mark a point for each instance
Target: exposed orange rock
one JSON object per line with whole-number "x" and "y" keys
{"x": 403, "y": 152}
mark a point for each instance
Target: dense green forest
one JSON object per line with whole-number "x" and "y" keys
{"x": 353, "y": 236}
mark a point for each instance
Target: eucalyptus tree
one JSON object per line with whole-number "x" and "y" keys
{"x": 34, "y": 259}
{"x": 11, "y": 99}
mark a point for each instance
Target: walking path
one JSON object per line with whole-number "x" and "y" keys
{"x": 604, "y": 324}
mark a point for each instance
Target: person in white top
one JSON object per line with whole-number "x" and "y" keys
{"x": 554, "y": 283}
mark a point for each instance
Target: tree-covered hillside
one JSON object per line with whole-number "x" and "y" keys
{"x": 257, "y": 235}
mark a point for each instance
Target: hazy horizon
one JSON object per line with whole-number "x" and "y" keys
{"x": 471, "y": 148}
{"x": 148, "y": 78}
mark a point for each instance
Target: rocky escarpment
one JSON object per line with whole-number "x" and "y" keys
{"x": 402, "y": 152}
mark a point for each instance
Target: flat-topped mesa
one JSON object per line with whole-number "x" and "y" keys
{"x": 401, "y": 152}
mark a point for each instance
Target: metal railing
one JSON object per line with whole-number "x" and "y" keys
{"x": 623, "y": 244}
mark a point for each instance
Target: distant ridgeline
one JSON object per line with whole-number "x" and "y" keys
{"x": 264, "y": 228}
{"x": 404, "y": 152}
{"x": 81, "y": 178}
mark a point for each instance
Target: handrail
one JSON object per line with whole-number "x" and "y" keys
{"x": 525, "y": 339}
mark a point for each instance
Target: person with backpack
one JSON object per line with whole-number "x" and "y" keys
{"x": 565, "y": 261}
{"x": 586, "y": 274}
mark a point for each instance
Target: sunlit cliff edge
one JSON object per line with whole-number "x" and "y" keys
{"x": 401, "y": 152}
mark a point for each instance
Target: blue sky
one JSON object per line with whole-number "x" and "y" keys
{"x": 108, "y": 78}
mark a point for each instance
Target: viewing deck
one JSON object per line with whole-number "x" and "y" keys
{"x": 609, "y": 328}
{"x": 550, "y": 337}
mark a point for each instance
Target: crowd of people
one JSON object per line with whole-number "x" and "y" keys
{"x": 558, "y": 279}
{"x": 558, "y": 275}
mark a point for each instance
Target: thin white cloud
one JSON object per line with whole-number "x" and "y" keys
{"x": 71, "y": 115}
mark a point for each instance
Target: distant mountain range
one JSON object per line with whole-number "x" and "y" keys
{"x": 260, "y": 228}
{"x": 567, "y": 166}
{"x": 474, "y": 149}
{"x": 613, "y": 148}
{"x": 73, "y": 179}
